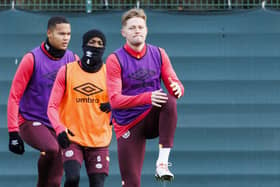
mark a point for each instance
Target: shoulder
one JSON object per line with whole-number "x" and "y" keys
{"x": 71, "y": 64}
{"x": 157, "y": 48}
{"x": 27, "y": 59}
{"x": 112, "y": 63}
{"x": 112, "y": 58}
{"x": 71, "y": 54}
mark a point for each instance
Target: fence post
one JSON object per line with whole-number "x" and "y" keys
{"x": 13, "y": 5}
{"x": 88, "y": 6}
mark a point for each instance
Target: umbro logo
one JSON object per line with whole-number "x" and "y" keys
{"x": 51, "y": 75}
{"x": 142, "y": 74}
{"x": 89, "y": 54}
{"x": 88, "y": 89}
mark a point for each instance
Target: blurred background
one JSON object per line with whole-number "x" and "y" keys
{"x": 226, "y": 53}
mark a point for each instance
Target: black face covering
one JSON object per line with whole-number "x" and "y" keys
{"x": 56, "y": 53}
{"x": 92, "y": 58}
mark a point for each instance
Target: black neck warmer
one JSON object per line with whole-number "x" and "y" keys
{"x": 92, "y": 59}
{"x": 56, "y": 53}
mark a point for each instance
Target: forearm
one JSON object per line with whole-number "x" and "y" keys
{"x": 119, "y": 101}
{"x": 168, "y": 74}
{"x": 19, "y": 84}
{"x": 12, "y": 115}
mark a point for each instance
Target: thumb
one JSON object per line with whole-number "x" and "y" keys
{"x": 172, "y": 83}
{"x": 170, "y": 80}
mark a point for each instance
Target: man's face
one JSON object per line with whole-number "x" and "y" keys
{"x": 95, "y": 42}
{"x": 135, "y": 31}
{"x": 60, "y": 35}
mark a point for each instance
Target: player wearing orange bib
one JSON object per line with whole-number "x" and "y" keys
{"x": 79, "y": 105}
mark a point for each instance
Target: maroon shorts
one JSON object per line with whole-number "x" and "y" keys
{"x": 96, "y": 159}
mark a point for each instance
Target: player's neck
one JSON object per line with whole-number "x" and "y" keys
{"x": 52, "y": 51}
{"x": 137, "y": 48}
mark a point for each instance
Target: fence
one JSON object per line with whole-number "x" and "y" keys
{"x": 98, "y": 5}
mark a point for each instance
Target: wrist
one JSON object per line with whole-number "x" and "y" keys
{"x": 13, "y": 134}
{"x": 59, "y": 129}
{"x": 149, "y": 98}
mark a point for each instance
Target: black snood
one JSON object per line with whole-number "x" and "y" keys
{"x": 56, "y": 53}
{"x": 92, "y": 58}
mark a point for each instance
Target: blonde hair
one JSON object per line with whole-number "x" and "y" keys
{"x": 134, "y": 12}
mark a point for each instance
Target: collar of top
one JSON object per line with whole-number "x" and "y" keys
{"x": 136, "y": 54}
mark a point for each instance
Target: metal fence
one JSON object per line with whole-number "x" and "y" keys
{"x": 98, "y": 5}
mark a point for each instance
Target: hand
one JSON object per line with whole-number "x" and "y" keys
{"x": 16, "y": 144}
{"x": 63, "y": 140}
{"x": 175, "y": 88}
{"x": 105, "y": 107}
{"x": 158, "y": 98}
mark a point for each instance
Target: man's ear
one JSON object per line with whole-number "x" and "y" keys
{"x": 48, "y": 33}
{"x": 123, "y": 33}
